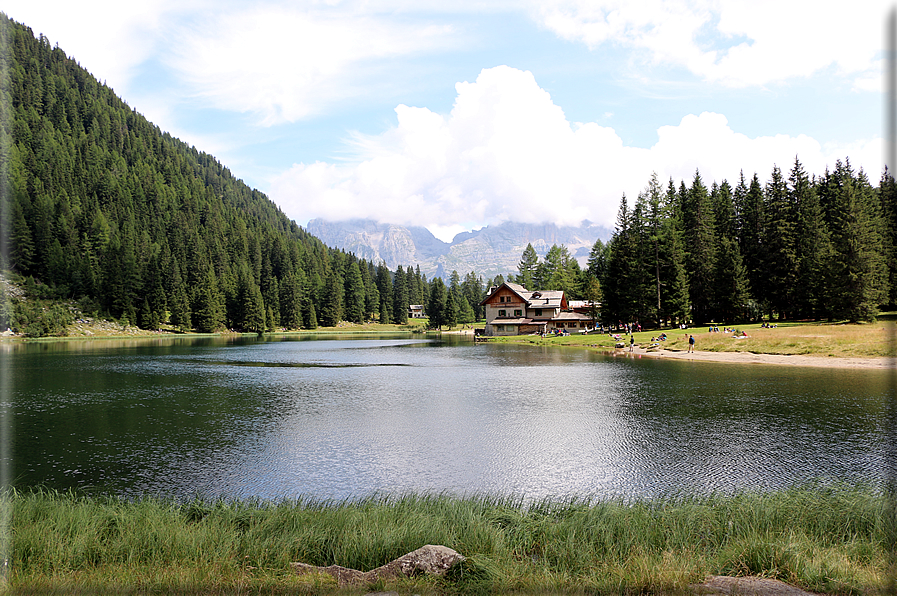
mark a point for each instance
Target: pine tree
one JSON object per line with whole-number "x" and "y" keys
{"x": 858, "y": 273}
{"x": 437, "y": 304}
{"x": 730, "y": 285}
{"x": 180, "y": 310}
{"x": 400, "y": 298}
{"x": 780, "y": 243}
{"x": 371, "y": 293}
{"x": 208, "y": 305}
{"x": 813, "y": 246}
{"x": 526, "y": 268}
{"x": 355, "y": 302}
{"x": 597, "y": 263}
{"x": 888, "y": 198}
{"x": 384, "y": 285}
{"x": 451, "y": 309}
{"x": 730, "y": 281}
{"x": 752, "y": 235}
{"x": 311, "y": 317}
{"x": 697, "y": 222}
{"x": 473, "y": 292}
{"x": 291, "y": 302}
{"x": 466, "y": 312}
{"x": 674, "y": 299}
{"x": 255, "y": 313}
{"x": 625, "y": 271}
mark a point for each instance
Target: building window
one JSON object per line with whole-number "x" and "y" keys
{"x": 538, "y": 312}
{"x": 499, "y": 327}
{"x": 518, "y": 313}
{"x": 502, "y": 313}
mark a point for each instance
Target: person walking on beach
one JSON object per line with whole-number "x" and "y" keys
{"x": 691, "y": 344}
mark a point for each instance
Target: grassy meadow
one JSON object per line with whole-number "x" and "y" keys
{"x": 813, "y": 339}
{"x": 822, "y": 538}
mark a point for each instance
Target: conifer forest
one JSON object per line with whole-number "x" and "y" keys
{"x": 104, "y": 209}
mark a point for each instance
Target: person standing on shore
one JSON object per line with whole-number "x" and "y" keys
{"x": 691, "y": 344}
{"x": 631, "y": 342}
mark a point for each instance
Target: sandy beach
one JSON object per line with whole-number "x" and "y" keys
{"x": 750, "y": 358}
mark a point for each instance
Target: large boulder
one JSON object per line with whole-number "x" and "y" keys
{"x": 431, "y": 559}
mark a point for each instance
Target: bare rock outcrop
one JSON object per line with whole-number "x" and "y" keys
{"x": 431, "y": 559}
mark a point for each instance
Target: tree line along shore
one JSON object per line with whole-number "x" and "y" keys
{"x": 108, "y": 216}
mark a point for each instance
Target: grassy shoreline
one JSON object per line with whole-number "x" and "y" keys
{"x": 829, "y": 340}
{"x": 822, "y": 538}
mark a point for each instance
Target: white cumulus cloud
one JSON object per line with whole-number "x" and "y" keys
{"x": 507, "y": 152}
{"x": 732, "y": 42}
{"x": 286, "y": 62}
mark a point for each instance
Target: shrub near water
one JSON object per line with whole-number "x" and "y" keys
{"x": 826, "y": 539}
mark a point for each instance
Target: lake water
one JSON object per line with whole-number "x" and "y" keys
{"x": 345, "y": 418}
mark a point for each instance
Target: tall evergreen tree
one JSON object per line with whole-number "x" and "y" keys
{"x": 858, "y": 272}
{"x": 436, "y": 307}
{"x": 700, "y": 249}
{"x": 780, "y": 243}
{"x": 371, "y": 293}
{"x": 355, "y": 303}
{"x": 473, "y": 292}
{"x": 451, "y": 308}
{"x": 752, "y": 219}
{"x": 331, "y": 311}
{"x": 813, "y": 246}
{"x": 384, "y": 285}
{"x": 400, "y": 298}
{"x": 674, "y": 298}
{"x": 627, "y": 276}
{"x": 208, "y": 306}
{"x": 730, "y": 285}
{"x": 888, "y": 198}
{"x": 526, "y": 268}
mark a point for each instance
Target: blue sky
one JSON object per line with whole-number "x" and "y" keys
{"x": 458, "y": 115}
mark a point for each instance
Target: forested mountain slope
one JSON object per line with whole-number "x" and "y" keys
{"x": 103, "y": 206}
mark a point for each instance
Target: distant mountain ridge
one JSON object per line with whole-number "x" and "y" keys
{"x": 489, "y": 251}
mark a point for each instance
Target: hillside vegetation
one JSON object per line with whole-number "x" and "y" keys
{"x": 110, "y": 213}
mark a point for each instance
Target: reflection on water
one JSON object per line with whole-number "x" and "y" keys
{"x": 346, "y": 418}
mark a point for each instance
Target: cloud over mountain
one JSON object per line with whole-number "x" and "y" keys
{"x": 507, "y": 152}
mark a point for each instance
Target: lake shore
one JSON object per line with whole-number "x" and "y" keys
{"x": 807, "y": 344}
{"x": 770, "y": 359}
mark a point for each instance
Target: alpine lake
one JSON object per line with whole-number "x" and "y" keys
{"x": 343, "y": 417}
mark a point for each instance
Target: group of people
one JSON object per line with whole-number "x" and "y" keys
{"x": 733, "y": 331}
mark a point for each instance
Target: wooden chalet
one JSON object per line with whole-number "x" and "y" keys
{"x": 511, "y": 309}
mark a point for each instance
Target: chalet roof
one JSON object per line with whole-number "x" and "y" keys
{"x": 533, "y": 299}
{"x": 545, "y": 299}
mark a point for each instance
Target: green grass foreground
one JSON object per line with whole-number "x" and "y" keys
{"x": 822, "y": 538}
